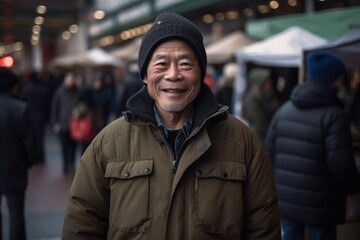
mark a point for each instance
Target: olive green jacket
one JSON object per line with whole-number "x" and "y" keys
{"x": 124, "y": 187}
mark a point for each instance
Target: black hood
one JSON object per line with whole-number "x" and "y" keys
{"x": 313, "y": 94}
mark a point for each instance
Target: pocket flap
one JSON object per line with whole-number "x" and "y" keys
{"x": 225, "y": 170}
{"x": 128, "y": 170}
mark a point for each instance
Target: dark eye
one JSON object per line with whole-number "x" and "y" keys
{"x": 160, "y": 64}
{"x": 186, "y": 66}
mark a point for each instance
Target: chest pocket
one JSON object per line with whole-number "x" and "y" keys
{"x": 130, "y": 195}
{"x": 219, "y": 197}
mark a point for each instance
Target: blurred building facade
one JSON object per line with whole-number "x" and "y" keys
{"x": 111, "y": 24}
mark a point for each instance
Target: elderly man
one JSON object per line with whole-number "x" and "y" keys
{"x": 176, "y": 165}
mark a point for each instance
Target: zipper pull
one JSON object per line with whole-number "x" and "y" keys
{"x": 174, "y": 166}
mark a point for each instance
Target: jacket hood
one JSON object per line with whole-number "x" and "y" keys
{"x": 313, "y": 95}
{"x": 141, "y": 105}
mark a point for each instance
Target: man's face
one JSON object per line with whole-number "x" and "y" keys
{"x": 173, "y": 76}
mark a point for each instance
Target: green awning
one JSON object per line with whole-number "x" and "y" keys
{"x": 329, "y": 24}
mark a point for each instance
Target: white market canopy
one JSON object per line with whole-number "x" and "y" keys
{"x": 98, "y": 56}
{"x": 223, "y": 50}
{"x": 92, "y": 57}
{"x": 281, "y": 50}
{"x": 129, "y": 52}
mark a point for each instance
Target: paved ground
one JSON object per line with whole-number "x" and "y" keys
{"x": 46, "y": 196}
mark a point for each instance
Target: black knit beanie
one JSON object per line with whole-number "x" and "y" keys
{"x": 172, "y": 26}
{"x": 8, "y": 79}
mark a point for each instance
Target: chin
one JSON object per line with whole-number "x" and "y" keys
{"x": 173, "y": 108}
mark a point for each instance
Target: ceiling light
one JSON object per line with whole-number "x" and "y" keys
{"x": 232, "y": 15}
{"x": 66, "y": 35}
{"x": 34, "y": 42}
{"x": 41, "y": 9}
{"x": 248, "y": 12}
{"x": 274, "y": 4}
{"x": 99, "y": 14}
{"x": 36, "y": 29}
{"x": 263, "y": 8}
{"x": 35, "y": 37}
{"x": 208, "y": 18}
{"x": 74, "y": 28}
{"x": 292, "y": 3}
{"x": 39, "y": 20}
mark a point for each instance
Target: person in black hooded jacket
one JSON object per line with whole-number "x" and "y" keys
{"x": 310, "y": 148}
{"x": 17, "y": 152}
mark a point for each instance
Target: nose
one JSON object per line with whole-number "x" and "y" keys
{"x": 173, "y": 73}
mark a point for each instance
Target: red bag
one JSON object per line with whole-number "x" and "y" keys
{"x": 81, "y": 129}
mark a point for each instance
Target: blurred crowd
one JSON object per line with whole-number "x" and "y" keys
{"x": 55, "y": 99}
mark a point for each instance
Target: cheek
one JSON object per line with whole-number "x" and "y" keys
{"x": 194, "y": 92}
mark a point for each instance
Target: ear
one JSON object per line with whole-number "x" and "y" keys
{"x": 145, "y": 80}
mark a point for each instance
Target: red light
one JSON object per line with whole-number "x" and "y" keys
{"x": 7, "y": 61}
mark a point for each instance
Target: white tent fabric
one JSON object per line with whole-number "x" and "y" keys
{"x": 98, "y": 56}
{"x": 129, "y": 52}
{"x": 70, "y": 60}
{"x": 284, "y": 49}
{"x": 223, "y": 50}
{"x": 92, "y": 57}
{"x": 281, "y": 50}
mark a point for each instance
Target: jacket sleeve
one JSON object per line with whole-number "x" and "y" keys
{"x": 340, "y": 155}
{"x": 262, "y": 219}
{"x": 88, "y": 204}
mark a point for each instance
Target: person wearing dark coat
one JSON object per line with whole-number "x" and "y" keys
{"x": 224, "y": 94}
{"x": 36, "y": 95}
{"x": 310, "y": 148}
{"x": 16, "y": 152}
{"x": 65, "y": 98}
{"x": 130, "y": 85}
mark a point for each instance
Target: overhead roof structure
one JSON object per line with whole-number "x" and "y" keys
{"x": 17, "y": 18}
{"x": 329, "y": 24}
{"x": 347, "y": 47}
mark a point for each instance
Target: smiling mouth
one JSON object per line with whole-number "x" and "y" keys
{"x": 171, "y": 90}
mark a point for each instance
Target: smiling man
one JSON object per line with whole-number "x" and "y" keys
{"x": 177, "y": 165}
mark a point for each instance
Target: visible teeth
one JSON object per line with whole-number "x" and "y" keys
{"x": 172, "y": 90}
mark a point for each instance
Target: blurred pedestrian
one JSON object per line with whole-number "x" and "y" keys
{"x": 36, "y": 94}
{"x": 129, "y": 86}
{"x": 224, "y": 92}
{"x": 310, "y": 148}
{"x": 260, "y": 101}
{"x": 65, "y": 98}
{"x": 16, "y": 152}
{"x": 110, "y": 96}
{"x": 176, "y": 165}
